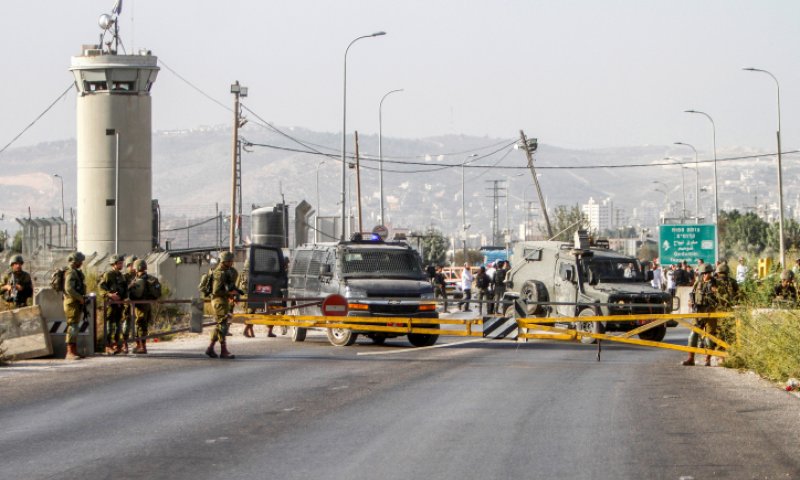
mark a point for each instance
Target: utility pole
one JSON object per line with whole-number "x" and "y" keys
{"x": 495, "y": 188}
{"x": 529, "y": 149}
{"x": 358, "y": 186}
{"x": 236, "y": 177}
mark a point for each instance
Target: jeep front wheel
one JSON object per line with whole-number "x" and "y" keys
{"x": 588, "y": 327}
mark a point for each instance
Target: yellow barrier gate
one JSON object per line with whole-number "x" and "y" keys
{"x": 560, "y": 333}
{"x": 407, "y": 325}
{"x": 401, "y": 325}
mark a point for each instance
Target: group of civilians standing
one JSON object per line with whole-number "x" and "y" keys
{"x": 490, "y": 285}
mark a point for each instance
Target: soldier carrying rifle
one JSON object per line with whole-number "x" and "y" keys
{"x": 17, "y": 285}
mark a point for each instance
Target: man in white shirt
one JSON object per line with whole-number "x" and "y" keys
{"x": 741, "y": 271}
{"x": 658, "y": 277}
{"x": 466, "y": 287}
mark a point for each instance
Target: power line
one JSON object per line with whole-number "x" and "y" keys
{"x": 37, "y": 118}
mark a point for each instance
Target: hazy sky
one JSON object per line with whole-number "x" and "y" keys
{"x": 572, "y": 73}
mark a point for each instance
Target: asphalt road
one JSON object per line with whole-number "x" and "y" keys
{"x": 476, "y": 410}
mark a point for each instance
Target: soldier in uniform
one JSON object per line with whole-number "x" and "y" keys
{"x": 17, "y": 285}
{"x": 703, "y": 299}
{"x": 127, "y": 317}
{"x": 500, "y": 286}
{"x": 727, "y": 288}
{"x": 785, "y": 293}
{"x": 74, "y": 302}
{"x": 143, "y": 287}
{"x": 223, "y": 298}
{"x": 114, "y": 288}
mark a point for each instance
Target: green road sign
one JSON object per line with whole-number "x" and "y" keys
{"x": 677, "y": 243}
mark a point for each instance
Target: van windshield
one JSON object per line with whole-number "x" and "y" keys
{"x": 616, "y": 270}
{"x": 381, "y": 263}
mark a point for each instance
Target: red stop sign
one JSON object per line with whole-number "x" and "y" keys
{"x": 334, "y": 305}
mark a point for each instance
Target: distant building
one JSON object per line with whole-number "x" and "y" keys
{"x": 601, "y": 216}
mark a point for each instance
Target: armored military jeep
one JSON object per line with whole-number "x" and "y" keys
{"x": 557, "y": 279}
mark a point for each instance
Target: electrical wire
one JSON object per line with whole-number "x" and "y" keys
{"x": 310, "y": 147}
{"x": 72, "y": 84}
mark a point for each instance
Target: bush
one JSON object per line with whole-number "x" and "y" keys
{"x": 768, "y": 342}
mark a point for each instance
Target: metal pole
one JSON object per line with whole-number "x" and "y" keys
{"x": 780, "y": 167}
{"x": 464, "y": 226}
{"x": 536, "y": 183}
{"x": 232, "y": 240}
{"x": 696, "y": 181}
{"x": 116, "y": 193}
{"x": 358, "y": 186}
{"x": 62, "y": 194}
{"x": 112, "y": 131}
{"x": 716, "y": 190}
{"x": 380, "y": 150}
{"x": 316, "y": 223}
{"x": 344, "y": 131}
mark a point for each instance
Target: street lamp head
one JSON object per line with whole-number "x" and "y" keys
{"x": 378, "y": 34}
{"x": 751, "y": 69}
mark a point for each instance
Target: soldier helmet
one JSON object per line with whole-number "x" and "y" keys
{"x": 226, "y": 257}
{"x": 787, "y": 275}
{"x": 16, "y": 259}
{"x": 131, "y": 260}
{"x": 76, "y": 257}
{"x": 723, "y": 268}
{"x": 707, "y": 268}
{"x": 115, "y": 258}
{"x": 140, "y": 265}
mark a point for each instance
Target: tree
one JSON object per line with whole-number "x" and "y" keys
{"x": 565, "y": 222}
{"x": 434, "y": 247}
{"x": 474, "y": 257}
{"x": 743, "y": 233}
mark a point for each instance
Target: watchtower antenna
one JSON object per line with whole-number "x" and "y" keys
{"x": 109, "y": 23}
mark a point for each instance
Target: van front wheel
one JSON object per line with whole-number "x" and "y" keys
{"x": 422, "y": 339}
{"x": 298, "y": 334}
{"x": 341, "y": 337}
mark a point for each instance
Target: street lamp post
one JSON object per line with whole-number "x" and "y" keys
{"x": 380, "y": 149}
{"x": 780, "y": 166}
{"x": 464, "y": 225}
{"x": 716, "y": 189}
{"x": 696, "y": 181}
{"x": 344, "y": 129}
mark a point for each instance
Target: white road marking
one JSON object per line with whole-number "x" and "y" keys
{"x": 417, "y": 349}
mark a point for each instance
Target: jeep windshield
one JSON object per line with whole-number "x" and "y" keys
{"x": 381, "y": 263}
{"x": 616, "y": 270}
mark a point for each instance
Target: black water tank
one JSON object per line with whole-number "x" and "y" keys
{"x": 267, "y": 226}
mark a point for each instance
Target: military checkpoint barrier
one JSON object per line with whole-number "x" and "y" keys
{"x": 33, "y": 323}
{"x": 517, "y": 326}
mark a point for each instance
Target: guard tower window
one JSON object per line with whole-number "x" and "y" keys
{"x": 122, "y": 86}
{"x": 95, "y": 86}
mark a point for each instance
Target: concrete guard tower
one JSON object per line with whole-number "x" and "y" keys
{"x": 114, "y": 140}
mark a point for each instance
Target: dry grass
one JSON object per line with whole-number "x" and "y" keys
{"x": 768, "y": 343}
